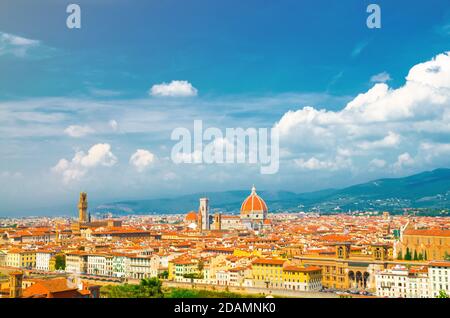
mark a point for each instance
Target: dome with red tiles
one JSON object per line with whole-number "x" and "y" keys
{"x": 253, "y": 205}
{"x": 191, "y": 217}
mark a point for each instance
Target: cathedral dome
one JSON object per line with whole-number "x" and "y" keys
{"x": 191, "y": 217}
{"x": 253, "y": 205}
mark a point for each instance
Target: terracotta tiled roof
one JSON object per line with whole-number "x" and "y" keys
{"x": 269, "y": 261}
{"x": 428, "y": 232}
{"x": 440, "y": 263}
{"x": 55, "y": 285}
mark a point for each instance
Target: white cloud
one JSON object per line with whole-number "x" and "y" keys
{"x": 391, "y": 140}
{"x": 382, "y": 77}
{"x": 434, "y": 151}
{"x": 377, "y": 163}
{"x": 316, "y": 164}
{"x": 78, "y": 131}
{"x": 15, "y": 45}
{"x": 404, "y": 160}
{"x": 81, "y": 163}
{"x": 141, "y": 159}
{"x": 375, "y": 122}
{"x": 174, "y": 89}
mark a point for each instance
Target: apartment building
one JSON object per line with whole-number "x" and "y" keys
{"x": 439, "y": 275}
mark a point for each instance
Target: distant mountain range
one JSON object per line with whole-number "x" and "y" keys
{"x": 429, "y": 190}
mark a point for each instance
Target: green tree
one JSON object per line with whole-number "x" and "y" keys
{"x": 399, "y": 256}
{"x": 163, "y": 275}
{"x": 60, "y": 262}
{"x": 193, "y": 275}
{"x": 447, "y": 256}
{"x": 443, "y": 294}
{"x": 425, "y": 257}
{"x": 407, "y": 254}
{"x": 147, "y": 288}
{"x": 416, "y": 258}
{"x": 151, "y": 287}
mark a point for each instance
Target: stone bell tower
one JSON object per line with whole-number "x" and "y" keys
{"x": 83, "y": 216}
{"x": 15, "y": 284}
{"x": 203, "y": 213}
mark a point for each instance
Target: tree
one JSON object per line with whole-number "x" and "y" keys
{"x": 420, "y": 257}
{"x": 60, "y": 262}
{"x": 443, "y": 294}
{"x": 399, "y": 256}
{"x": 163, "y": 275}
{"x": 193, "y": 275}
{"x": 201, "y": 265}
{"x": 151, "y": 287}
{"x": 447, "y": 256}
{"x": 407, "y": 254}
{"x": 147, "y": 288}
{"x": 425, "y": 257}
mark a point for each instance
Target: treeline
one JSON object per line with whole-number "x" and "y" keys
{"x": 152, "y": 288}
{"x": 412, "y": 257}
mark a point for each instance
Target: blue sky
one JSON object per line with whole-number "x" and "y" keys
{"x": 250, "y": 62}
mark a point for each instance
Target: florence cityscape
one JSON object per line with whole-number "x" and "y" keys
{"x": 212, "y": 149}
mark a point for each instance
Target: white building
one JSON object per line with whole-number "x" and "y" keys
{"x": 439, "y": 274}
{"x": 101, "y": 265}
{"x": 401, "y": 282}
{"x": 76, "y": 262}
{"x": 43, "y": 260}
{"x": 120, "y": 265}
{"x": 139, "y": 267}
{"x": 223, "y": 277}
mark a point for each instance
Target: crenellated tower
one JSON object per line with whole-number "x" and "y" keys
{"x": 83, "y": 215}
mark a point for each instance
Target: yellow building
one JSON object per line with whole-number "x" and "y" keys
{"x": 347, "y": 270}
{"x": 307, "y": 278}
{"x": 21, "y": 258}
{"x": 178, "y": 268}
{"x": 238, "y": 252}
{"x": 430, "y": 244}
{"x": 268, "y": 273}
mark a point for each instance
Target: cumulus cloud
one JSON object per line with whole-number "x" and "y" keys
{"x": 81, "y": 163}
{"x": 382, "y": 122}
{"x": 78, "y": 131}
{"x": 391, "y": 140}
{"x": 141, "y": 159}
{"x": 430, "y": 152}
{"x": 404, "y": 160}
{"x": 382, "y": 77}
{"x": 173, "y": 89}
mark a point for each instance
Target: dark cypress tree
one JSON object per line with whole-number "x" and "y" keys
{"x": 415, "y": 256}
{"x": 407, "y": 254}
